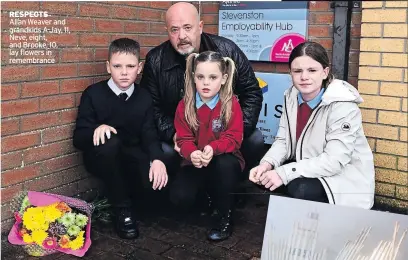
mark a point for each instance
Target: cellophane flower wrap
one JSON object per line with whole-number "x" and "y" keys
{"x": 48, "y": 223}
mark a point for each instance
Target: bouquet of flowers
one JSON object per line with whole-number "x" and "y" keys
{"x": 47, "y": 223}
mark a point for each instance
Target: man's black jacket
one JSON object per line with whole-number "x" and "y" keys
{"x": 163, "y": 76}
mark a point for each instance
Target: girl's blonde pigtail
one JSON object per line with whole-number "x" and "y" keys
{"x": 189, "y": 93}
{"x": 227, "y": 91}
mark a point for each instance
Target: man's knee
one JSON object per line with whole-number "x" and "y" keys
{"x": 170, "y": 158}
{"x": 255, "y": 139}
{"x": 253, "y": 148}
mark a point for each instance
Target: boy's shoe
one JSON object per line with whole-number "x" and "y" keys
{"x": 125, "y": 223}
{"x": 222, "y": 228}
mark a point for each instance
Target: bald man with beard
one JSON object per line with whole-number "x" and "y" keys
{"x": 163, "y": 77}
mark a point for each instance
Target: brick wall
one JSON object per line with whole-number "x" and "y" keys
{"x": 39, "y": 102}
{"x": 383, "y": 81}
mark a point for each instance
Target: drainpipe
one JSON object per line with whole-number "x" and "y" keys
{"x": 199, "y": 9}
{"x": 341, "y": 37}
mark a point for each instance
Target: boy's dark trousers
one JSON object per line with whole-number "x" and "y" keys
{"x": 123, "y": 169}
{"x": 219, "y": 179}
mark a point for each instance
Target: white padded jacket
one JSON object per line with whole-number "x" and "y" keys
{"x": 332, "y": 146}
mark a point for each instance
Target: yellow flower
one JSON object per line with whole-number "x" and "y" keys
{"x": 78, "y": 242}
{"x": 39, "y": 236}
{"x": 27, "y": 238}
{"x": 51, "y": 213}
{"x": 33, "y": 219}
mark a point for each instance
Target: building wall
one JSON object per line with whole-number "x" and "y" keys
{"x": 39, "y": 102}
{"x": 320, "y": 29}
{"x": 382, "y": 80}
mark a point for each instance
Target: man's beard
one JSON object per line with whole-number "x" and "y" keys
{"x": 186, "y": 52}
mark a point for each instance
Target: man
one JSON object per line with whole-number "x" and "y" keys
{"x": 163, "y": 76}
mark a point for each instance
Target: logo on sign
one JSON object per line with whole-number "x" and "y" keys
{"x": 262, "y": 84}
{"x": 283, "y": 46}
{"x": 288, "y": 46}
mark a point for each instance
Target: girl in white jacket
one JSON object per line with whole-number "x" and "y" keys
{"x": 320, "y": 152}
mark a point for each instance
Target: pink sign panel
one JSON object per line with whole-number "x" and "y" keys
{"x": 284, "y": 45}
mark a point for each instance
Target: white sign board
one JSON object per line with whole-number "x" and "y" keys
{"x": 304, "y": 230}
{"x": 273, "y": 86}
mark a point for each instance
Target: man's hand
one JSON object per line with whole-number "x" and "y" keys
{"x": 271, "y": 180}
{"x": 196, "y": 158}
{"x": 100, "y": 132}
{"x": 256, "y": 172}
{"x": 207, "y": 155}
{"x": 158, "y": 174}
{"x": 175, "y": 143}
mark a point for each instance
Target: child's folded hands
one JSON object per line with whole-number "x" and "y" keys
{"x": 207, "y": 155}
{"x": 202, "y": 158}
{"x": 196, "y": 158}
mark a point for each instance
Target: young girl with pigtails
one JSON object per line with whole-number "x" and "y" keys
{"x": 209, "y": 126}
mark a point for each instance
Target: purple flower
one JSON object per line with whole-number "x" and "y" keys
{"x": 57, "y": 229}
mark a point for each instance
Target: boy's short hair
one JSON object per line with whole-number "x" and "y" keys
{"x": 124, "y": 45}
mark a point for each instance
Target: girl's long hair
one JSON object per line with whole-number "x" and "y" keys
{"x": 227, "y": 66}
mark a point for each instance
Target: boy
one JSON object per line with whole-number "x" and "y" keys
{"x": 116, "y": 132}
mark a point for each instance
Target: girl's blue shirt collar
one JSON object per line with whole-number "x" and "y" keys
{"x": 211, "y": 104}
{"x": 314, "y": 102}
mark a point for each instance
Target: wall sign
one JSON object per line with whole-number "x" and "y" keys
{"x": 273, "y": 86}
{"x": 265, "y": 31}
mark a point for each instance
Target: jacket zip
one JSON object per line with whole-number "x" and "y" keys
{"x": 301, "y": 152}
{"x": 290, "y": 134}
